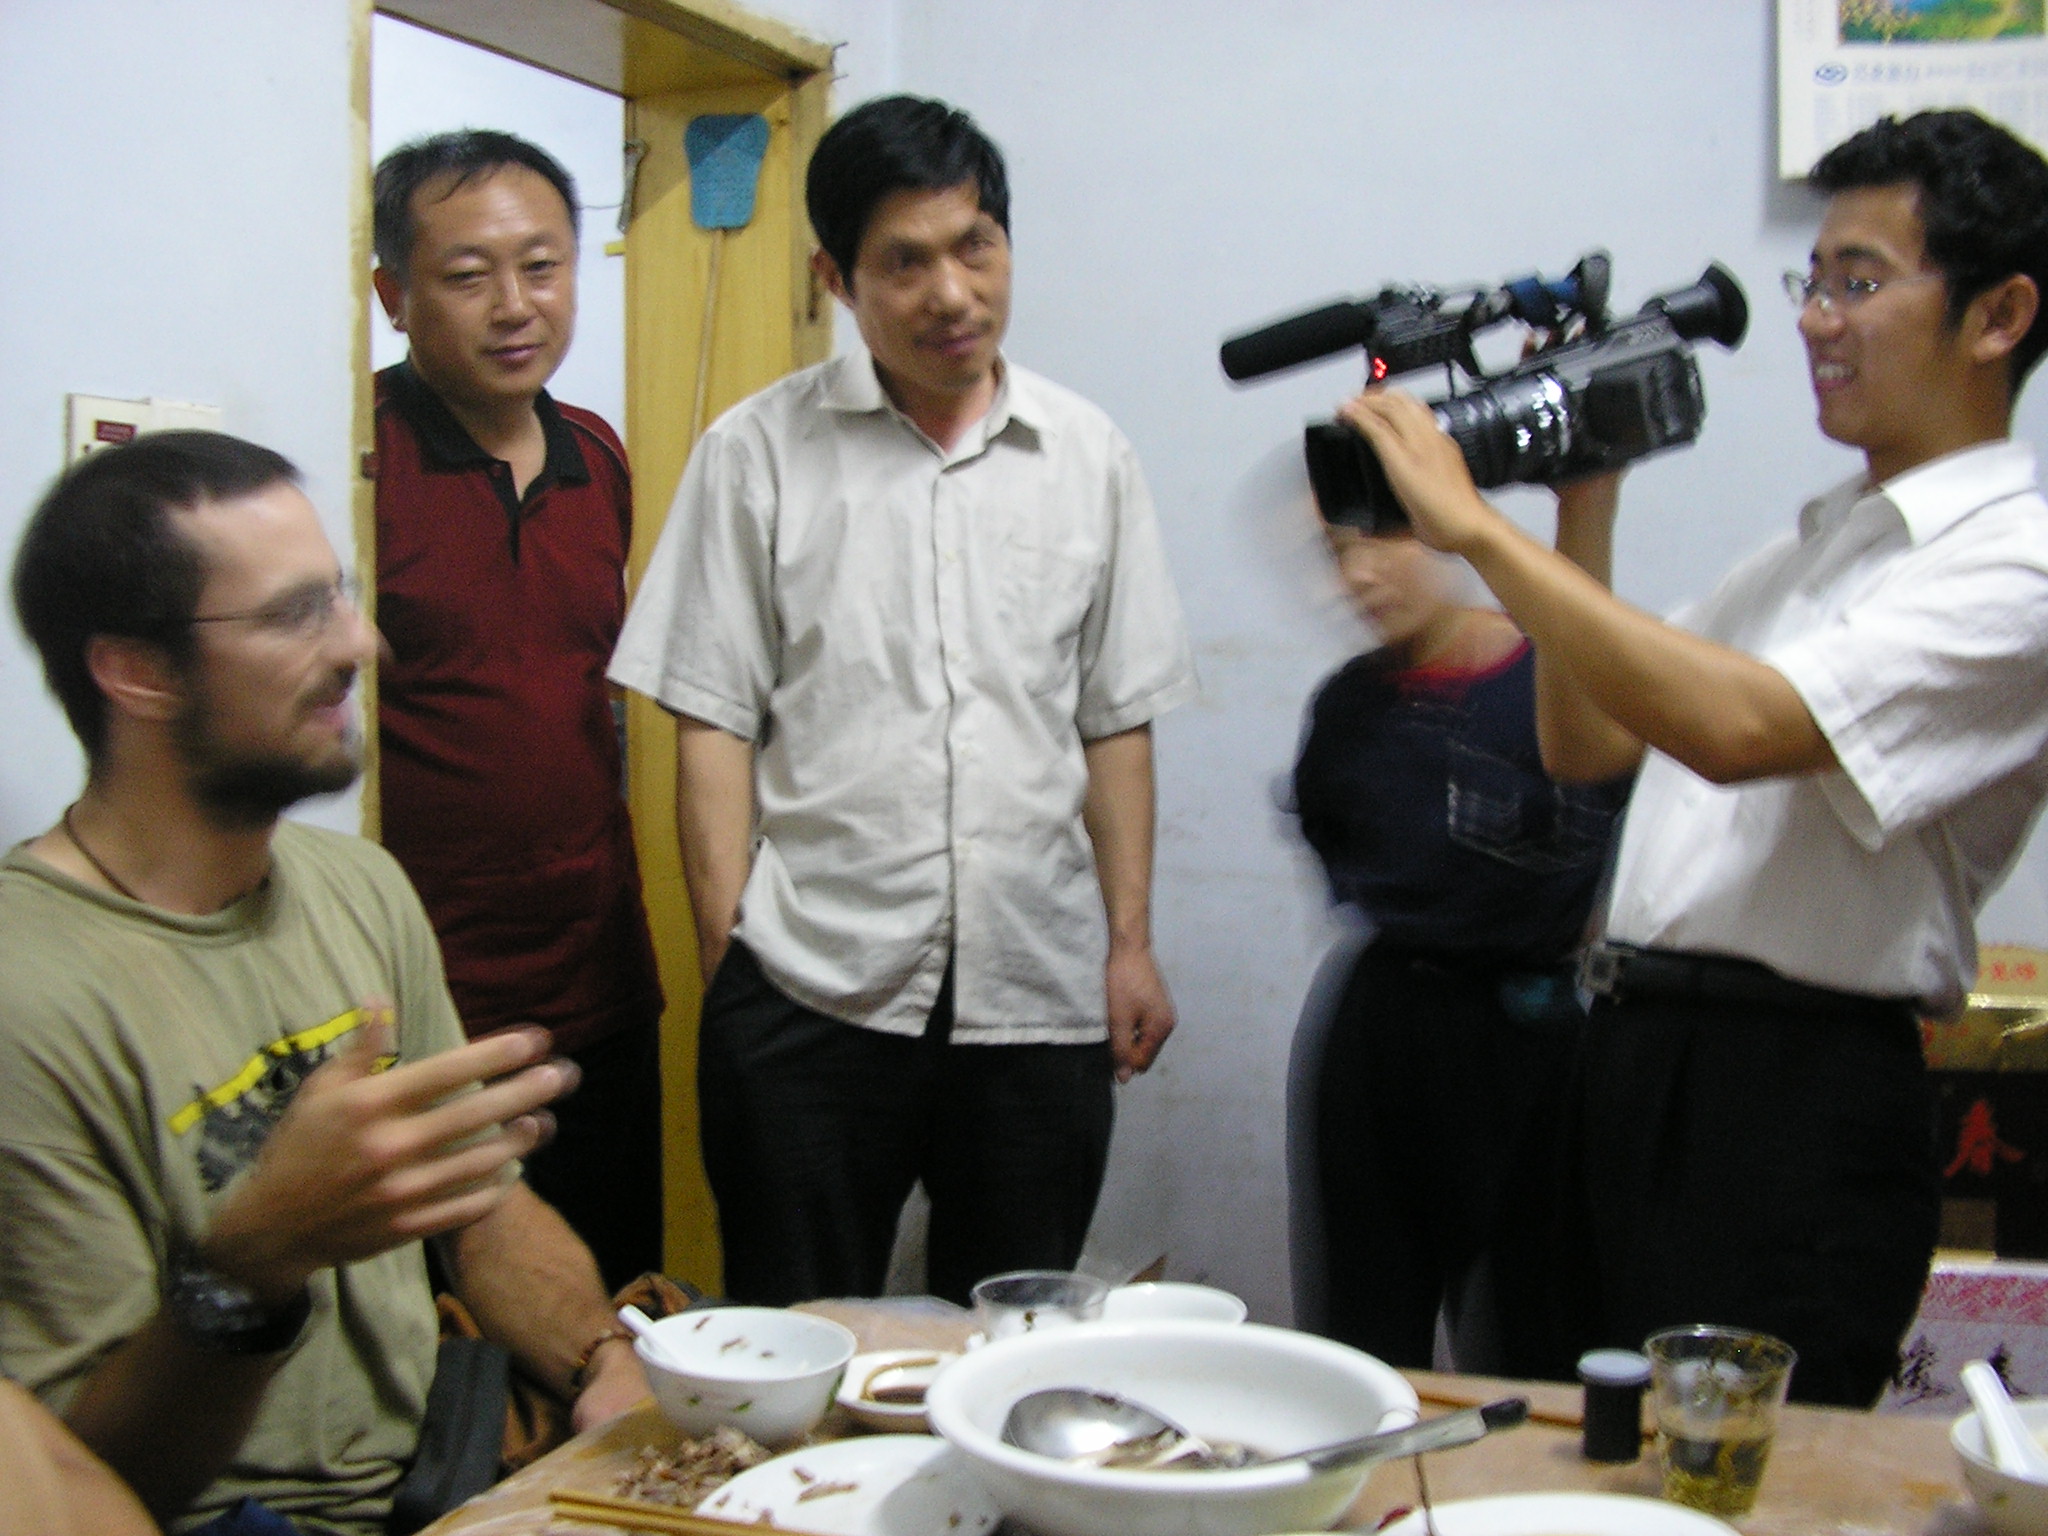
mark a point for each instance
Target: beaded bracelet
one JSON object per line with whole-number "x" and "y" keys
{"x": 583, "y": 1361}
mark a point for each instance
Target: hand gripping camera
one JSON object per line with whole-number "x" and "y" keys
{"x": 1601, "y": 395}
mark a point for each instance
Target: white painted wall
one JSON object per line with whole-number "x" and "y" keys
{"x": 1184, "y": 171}
{"x": 176, "y": 183}
{"x": 423, "y": 83}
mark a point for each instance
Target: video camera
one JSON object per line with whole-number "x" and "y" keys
{"x": 1599, "y": 396}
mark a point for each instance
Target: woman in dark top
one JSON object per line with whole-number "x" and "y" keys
{"x": 1420, "y": 788}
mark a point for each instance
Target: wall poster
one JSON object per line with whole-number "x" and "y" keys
{"x": 1842, "y": 64}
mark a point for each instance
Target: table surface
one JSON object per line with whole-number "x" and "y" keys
{"x": 1831, "y": 1470}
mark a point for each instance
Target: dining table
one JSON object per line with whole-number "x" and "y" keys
{"x": 1831, "y": 1470}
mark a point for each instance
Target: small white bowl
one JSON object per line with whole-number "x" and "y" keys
{"x": 906, "y": 1367}
{"x": 1270, "y": 1388}
{"x": 763, "y": 1370}
{"x": 2015, "y": 1506}
{"x": 1171, "y": 1301}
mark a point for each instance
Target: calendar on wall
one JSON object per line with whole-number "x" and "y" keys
{"x": 1843, "y": 64}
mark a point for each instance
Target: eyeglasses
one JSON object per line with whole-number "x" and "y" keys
{"x": 1833, "y": 293}
{"x": 305, "y": 614}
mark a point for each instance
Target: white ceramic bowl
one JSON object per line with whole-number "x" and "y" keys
{"x": 768, "y": 1372}
{"x": 2013, "y": 1505}
{"x": 1171, "y": 1301}
{"x": 1269, "y": 1388}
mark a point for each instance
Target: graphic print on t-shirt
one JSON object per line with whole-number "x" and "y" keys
{"x": 236, "y": 1116}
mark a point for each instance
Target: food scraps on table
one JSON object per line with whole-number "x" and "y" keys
{"x": 693, "y": 1469}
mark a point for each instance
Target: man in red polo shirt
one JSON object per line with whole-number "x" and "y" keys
{"x": 502, "y": 525}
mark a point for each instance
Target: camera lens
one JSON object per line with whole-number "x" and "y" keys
{"x": 1515, "y": 429}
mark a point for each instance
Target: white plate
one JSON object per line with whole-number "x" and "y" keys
{"x": 901, "y": 1365}
{"x": 903, "y": 1485}
{"x": 1563, "y": 1514}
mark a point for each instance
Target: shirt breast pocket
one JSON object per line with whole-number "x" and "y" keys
{"x": 1044, "y": 597}
{"x": 1509, "y": 813}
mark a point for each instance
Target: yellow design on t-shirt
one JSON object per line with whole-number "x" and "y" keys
{"x": 257, "y": 1066}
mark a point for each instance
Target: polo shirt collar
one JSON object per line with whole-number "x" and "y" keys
{"x": 1930, "y": 498}
{"x": 445, "y": 444}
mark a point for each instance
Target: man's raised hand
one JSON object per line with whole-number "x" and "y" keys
{"x": 1424, "y": 466}
{"x": 366, "y": 1159}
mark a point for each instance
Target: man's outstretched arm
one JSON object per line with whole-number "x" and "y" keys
{"x": 533, "y": 1287}
{"x": 1617, "y": 675}
{"x": 54, "y": 1485}
{"x": 1580, "y": 742}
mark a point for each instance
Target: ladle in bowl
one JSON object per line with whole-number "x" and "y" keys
{"x": 1076, "y": 1424}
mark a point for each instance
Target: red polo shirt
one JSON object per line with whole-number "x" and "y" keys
{"x": 500, "y": 751}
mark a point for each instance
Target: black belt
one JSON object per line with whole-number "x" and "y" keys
{"x": 1479, "y": 964}
{"x": 1622, "y": 973}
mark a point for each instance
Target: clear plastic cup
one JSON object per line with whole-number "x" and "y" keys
{"x": 1716, "y": 1394}
{"x": 1026, "y": 1300}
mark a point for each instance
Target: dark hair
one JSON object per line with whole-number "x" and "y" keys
{"x": 1983, "y": 204}
{"x": 104, "y": 555}
{"x": 464, "y": 155}
{"x": 891, "y": 144}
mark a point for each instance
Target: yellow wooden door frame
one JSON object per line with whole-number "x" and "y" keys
{"x": 669, "y": 60}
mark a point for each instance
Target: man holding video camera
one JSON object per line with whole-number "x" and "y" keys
{"x": 1841, "y": 751}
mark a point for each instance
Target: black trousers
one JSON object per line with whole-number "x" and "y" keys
{"x": 1766, "y": 1167}
{"x": 815, "y": 1130}
{"x": 602, "y": 1171}
{"x": 1436, "y": 1115}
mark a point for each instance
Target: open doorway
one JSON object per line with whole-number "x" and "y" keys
{"x": 646, "y": 69}
{"x": 422, "y": 83}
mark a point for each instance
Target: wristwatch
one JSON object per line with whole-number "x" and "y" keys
{"x": 224, "y": 1317}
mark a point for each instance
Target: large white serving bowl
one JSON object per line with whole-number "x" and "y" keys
{"x": 762, "y": 1370}
{"x": 1269, "y": 1388}
{"x": 2014, "y": 1505}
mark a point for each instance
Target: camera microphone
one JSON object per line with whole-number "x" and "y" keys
{"x": 1300, "y": 339}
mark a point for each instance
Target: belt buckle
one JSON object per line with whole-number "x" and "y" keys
{"x": 1600, "y": 970}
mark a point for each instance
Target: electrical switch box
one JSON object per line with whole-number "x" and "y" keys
{"x": 93, "y": 422}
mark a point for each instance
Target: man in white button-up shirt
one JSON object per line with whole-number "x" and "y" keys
{"x": 1841, "y": 751}
{"x": 912, "y": 612}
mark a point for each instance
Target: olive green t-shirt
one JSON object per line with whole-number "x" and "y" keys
{"x": 144, "y": 1056}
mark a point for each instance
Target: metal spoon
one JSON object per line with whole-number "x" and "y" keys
{"x": 1098, "y": 1429}
{"x": 1076, "y": 1424}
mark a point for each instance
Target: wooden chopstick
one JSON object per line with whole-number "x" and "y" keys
{"x": 1536, "y": 1415}
{"x": 640, "y": 1515}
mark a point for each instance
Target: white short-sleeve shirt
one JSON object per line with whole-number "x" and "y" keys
{"x": 1912, "y": 619}
{"x": 917, "y": 642}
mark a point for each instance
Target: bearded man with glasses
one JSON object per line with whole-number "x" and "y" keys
{"x": 234, "y": 1093}
{"x": 1840, "y": 752}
